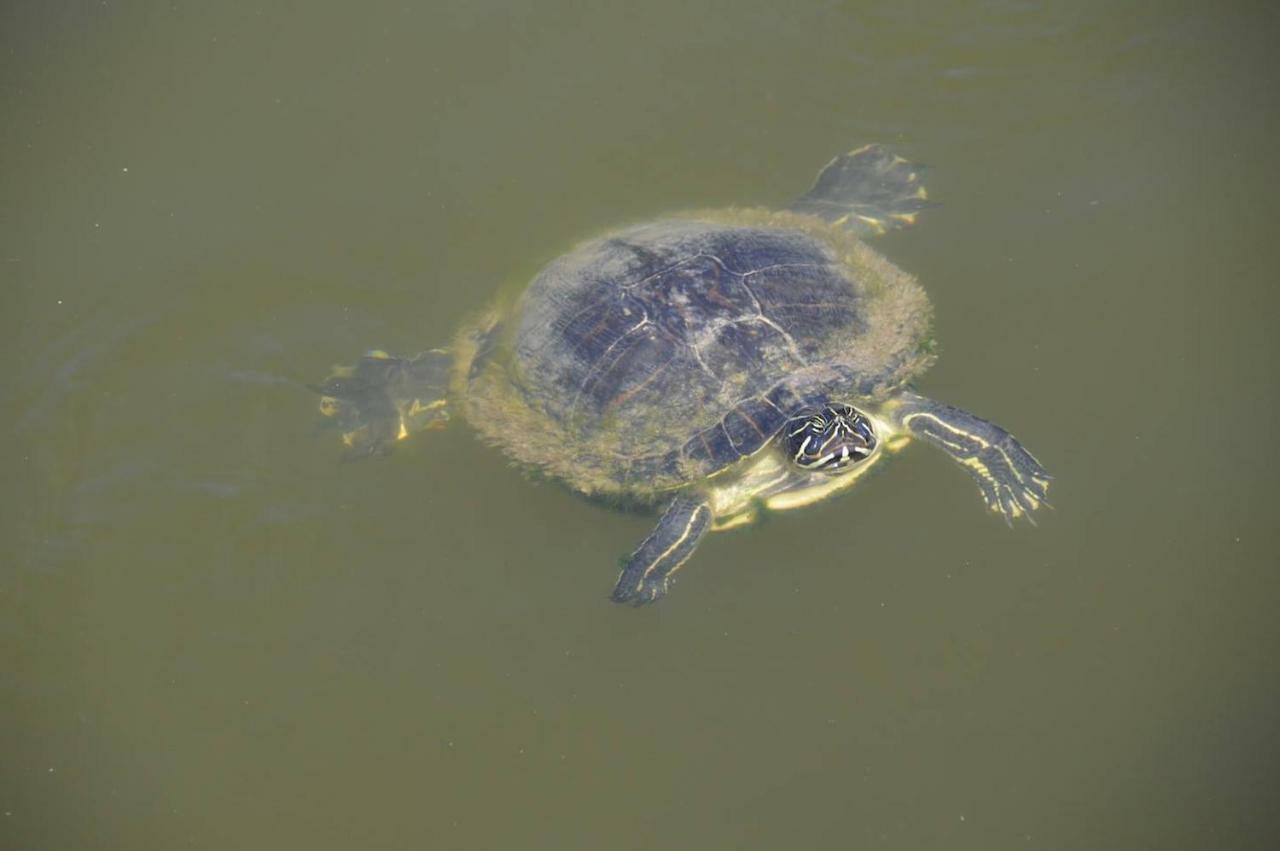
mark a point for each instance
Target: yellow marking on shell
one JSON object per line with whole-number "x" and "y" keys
{"x": 906, "y": 218}
{"x": 922, "y": 193}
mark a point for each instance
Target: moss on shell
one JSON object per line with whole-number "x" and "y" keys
{"x": 891, "y": 347}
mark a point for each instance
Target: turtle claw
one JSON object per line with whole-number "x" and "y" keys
{"x": 1012, "y": 481}
{"x": 648, "y": 591}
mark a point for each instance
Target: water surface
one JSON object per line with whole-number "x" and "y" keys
{"x": 215, "y": 635}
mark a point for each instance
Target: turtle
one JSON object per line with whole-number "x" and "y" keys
{"x": 712, "y": 365}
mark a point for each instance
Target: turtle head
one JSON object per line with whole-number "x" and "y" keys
{"x": 829, "y": 440}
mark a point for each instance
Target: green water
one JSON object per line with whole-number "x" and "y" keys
{"x": 214, "y": 635}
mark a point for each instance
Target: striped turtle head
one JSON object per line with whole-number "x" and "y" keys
{"x": 830, "y": 440}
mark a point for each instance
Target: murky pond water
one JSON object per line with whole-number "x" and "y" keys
{"x": 216, "y": 635}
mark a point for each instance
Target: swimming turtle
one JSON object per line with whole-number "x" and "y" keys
{"x": 714, "y": 364}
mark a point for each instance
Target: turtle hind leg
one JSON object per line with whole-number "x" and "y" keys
{"x": 869, "y": 191}
{"x": 647, "y": 573}
{"x": 383, "y": 399}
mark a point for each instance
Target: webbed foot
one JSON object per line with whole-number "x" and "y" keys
{"x": 383, "y": 399}
{"x": 870, "y": 190}
{"x": 1013, "y": 483}
{"x": 648, "y": 571}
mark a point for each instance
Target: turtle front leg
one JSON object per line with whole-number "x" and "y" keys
{"x": 1012, "y": 481}
{"x": 648, "y": 571}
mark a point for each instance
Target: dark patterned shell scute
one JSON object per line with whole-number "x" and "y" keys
{"x": 800, "y": 295}
{"x": 738, "y": 434}
{"x": 675, "y": 338}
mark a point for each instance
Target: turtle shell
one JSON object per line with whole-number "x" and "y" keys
{"x": 662, "y": 353}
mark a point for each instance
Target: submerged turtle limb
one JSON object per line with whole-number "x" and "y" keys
{"x": 383, "y": 399}
{"x": 1012, "y": 481}
{"x": 870, "y": 190}
{"x": 648, "y": 571}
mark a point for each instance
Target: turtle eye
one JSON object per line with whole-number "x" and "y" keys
{"x": 831, "y": 440}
